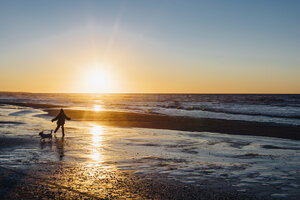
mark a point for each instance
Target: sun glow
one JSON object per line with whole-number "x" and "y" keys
{"x": 97, "y": 79}
{"x": 97, "y": 107}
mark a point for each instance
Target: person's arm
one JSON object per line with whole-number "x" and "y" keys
{"x": 54, "y": 119}
{"x": 68, "y": 118}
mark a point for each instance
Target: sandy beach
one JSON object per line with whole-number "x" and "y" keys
{"x": 57, "y": 181}
{"x": 84, "y": 178}
{"x": 28, "y": 171}
{"x": 113, "y": 155}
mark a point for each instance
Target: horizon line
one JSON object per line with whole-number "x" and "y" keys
{"x": 192, "y": 93}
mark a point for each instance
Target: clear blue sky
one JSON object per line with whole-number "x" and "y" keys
{"x": 186, "y": 46}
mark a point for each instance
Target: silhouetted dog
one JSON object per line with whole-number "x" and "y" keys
{"x": 44, "y": 136}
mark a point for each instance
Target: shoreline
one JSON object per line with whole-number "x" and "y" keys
{"x": 159, "y": 121}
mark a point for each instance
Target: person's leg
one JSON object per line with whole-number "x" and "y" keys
{"x": 56, "y": 128}
{"x": 63, "y": 130}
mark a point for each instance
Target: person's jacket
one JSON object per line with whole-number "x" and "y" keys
{"x": 61, "y": 118}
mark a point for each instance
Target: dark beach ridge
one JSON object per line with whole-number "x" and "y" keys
{"x": 159, "y": 121}
{"x": 140, "y": 120}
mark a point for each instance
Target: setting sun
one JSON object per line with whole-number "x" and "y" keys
{"x": 97, "y": 79}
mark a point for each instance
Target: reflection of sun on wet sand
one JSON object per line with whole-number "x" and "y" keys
{"x": 96, "y": 154}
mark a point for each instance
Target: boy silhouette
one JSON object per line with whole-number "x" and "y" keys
{"x": 61, "y": 118}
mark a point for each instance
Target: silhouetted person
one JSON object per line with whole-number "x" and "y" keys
{"x": 61, "y": 118}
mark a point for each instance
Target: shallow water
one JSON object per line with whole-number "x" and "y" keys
{"x": 268, "y": 167}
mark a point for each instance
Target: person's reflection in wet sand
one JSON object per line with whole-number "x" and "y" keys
{"x": 60, "y": 147}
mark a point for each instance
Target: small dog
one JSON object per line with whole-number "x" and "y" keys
{"x": 44, "y": 136}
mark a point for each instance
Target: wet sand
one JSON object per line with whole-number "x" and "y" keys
{"x": 70, "y": 179}
{"x": 95, "y": 161}
{"x": 75, "y": 182}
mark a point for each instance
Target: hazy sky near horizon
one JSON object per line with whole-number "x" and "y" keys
{"x": 150, "y": 46}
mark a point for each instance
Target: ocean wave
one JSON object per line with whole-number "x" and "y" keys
{"x": 268, "y": 111}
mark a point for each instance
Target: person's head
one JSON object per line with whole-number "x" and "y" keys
{"x": 61, "y": 111}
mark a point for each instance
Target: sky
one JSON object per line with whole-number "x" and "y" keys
{"x": 150, "y": 46}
